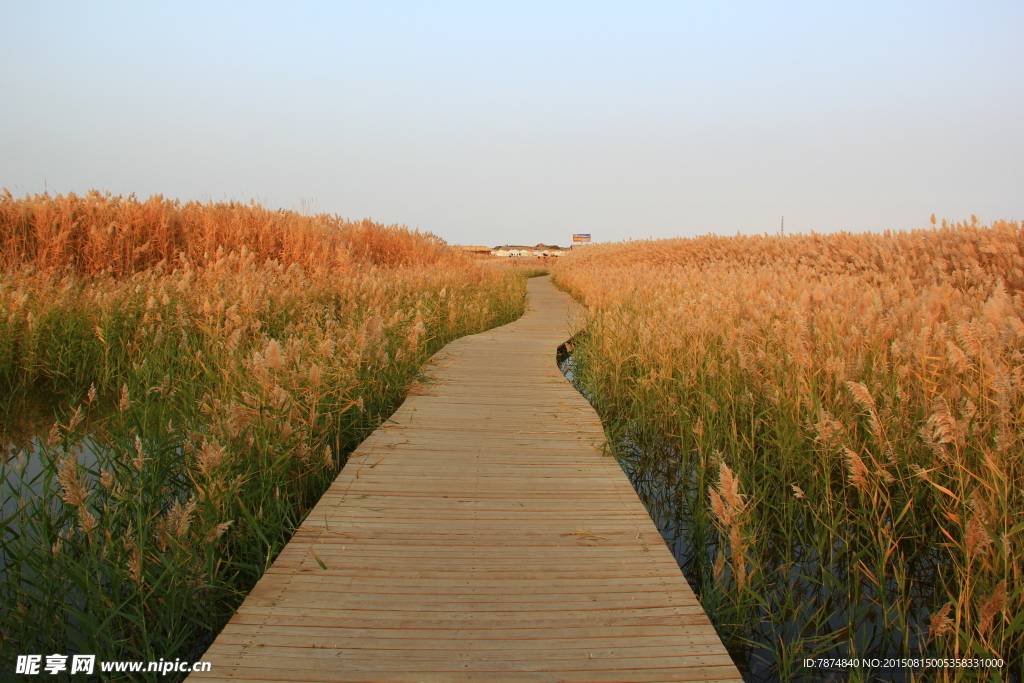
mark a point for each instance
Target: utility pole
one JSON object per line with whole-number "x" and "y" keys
{"x": 783, "y": 225}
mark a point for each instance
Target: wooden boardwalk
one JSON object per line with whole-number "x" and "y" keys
{"x": 479, "y": 535}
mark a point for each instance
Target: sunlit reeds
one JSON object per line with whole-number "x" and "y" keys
{"x": 866, "y": 393}
{"x": 180, "y": 383}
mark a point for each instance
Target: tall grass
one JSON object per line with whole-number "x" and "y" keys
{"x": 839, "y": 419}
{"x": 178, "y": 385}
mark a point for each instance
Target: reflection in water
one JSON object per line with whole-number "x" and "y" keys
{"x": 32, "y": 511}
{"x": 63, "y": 554}
{"x": 27, "y": 476}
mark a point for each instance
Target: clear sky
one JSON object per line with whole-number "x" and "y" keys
{"x": 494, "y": 122}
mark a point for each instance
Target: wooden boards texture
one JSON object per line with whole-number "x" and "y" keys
{"x": 479, "y": 535}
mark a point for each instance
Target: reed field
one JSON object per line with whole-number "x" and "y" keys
{"x": 179, "y": 383}
{"x": 829, "y": 429}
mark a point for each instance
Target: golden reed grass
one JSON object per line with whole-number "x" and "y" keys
{"x": 867, "y": 390}
{"x": 198, "y": 374}
{"x": 100, "y": 233}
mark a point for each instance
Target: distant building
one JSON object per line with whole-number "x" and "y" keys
{"x": 520, "y": 251}
{"x": 475, "y": 250}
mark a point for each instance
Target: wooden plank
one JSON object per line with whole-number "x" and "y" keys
{"x": 479, "y": 534}
{"x": 453, "y": 586}
{"x": 547, "y": 628}
{"x": 429, "y": 651}
{"x": 400, "y": 660}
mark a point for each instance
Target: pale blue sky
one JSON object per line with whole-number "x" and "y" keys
{"x": 494, "y": 122}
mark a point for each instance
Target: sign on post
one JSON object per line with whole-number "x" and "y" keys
{"x": 580, "y": 238}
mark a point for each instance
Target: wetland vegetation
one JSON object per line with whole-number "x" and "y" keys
{"x": 179, "y": 383}
{"x": 828, "y": 429}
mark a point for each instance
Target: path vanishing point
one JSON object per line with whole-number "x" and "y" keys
{"x": 478, "y": 535}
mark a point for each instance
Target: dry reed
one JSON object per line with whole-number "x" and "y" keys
{"x": 198, "y": 373}
{"x": 868, "y": 389}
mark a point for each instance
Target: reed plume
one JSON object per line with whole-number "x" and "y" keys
{"x": 218, "y": 362}
{"x": 777, "y": 350}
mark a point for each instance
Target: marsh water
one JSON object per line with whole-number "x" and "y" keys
{"x": 26, "y": 477}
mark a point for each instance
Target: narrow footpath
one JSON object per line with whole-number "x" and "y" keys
{"x": 479, "y": 535}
